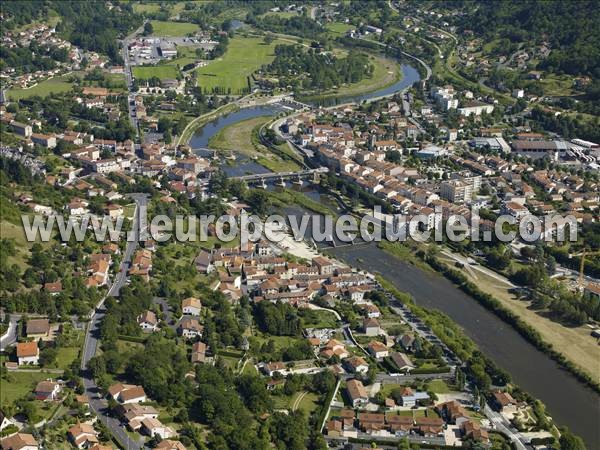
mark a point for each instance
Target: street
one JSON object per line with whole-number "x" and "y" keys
{"x": 97, "y": 404}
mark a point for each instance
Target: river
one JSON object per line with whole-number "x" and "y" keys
{"x": 569, "y": 401}
{"x": 410, "y": 75}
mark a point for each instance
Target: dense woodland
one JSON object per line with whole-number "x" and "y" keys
{"x": 571, "y": 28}
{"x": 89, "y": 25}
{"x": 295, "y": 66}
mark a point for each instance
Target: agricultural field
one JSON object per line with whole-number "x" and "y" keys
{"x": 43, "y": 89}
{"x": 230, "y": 73}
{"x": 173, "y": 29}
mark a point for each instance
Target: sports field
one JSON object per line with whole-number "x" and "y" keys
{"x": 244, "y": 56}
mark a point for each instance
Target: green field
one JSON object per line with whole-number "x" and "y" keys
{"x": 162, "y": 28}
{"x": 385, "y": 73}
{"x": 47, "y": 87}
{"x": 242, "y": 137}
{"x": 140, "y": 8}
{"x": 16, "y": 385}
{"x": 339, "y": 27}
{"x": 162, "y": 72}
{"x": 243, "y": 57}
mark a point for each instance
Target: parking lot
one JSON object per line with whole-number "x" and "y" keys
{"x": 147, "y": 50}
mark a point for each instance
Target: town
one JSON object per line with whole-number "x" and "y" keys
{"x": 295, "y": 108}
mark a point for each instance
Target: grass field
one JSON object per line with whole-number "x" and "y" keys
{"x": 244, "y": 56}
{"x": 141, "y": 8}
{"x": 16, "y": 385}
{"x": 339, "y": 27}
{"x": 162, "y": 28}
{"x": 43, "y": 89}
{"x": 386, "y": 72}
{"x": 438, "y": 386}
{"x": 318, "y": 318}
{"x": 557, "y": 85}
{"x": 241, "y": 137}
{"x": 162, "y": 72}
{"x": 575, "y": 343}
{"x": 9, "y": 230}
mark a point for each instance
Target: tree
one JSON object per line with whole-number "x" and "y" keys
{"x": 569, "y": 441}
{"x": 148, "y": 28}
{"x": 268, "y": 39}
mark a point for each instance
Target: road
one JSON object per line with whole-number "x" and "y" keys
{"x": 10, "y": 337}
{"x": 129, "y": 80}
{"x": 97, "y": 404}
{"x": 502, "y": 425}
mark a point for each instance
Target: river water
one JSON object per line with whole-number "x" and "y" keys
{"x": 569, "y": 401}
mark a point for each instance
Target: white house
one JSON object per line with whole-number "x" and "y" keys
{"x": 148, "y": 321}
{"x": 152, "y": 426}
{"x": 191, "y": 306}
{"x": 127, "y": 393}
{"x": 28, "y": 353}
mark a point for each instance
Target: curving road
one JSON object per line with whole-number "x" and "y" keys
{"x": 10, "y": 337}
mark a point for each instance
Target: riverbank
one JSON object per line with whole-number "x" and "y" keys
{"x": 202, "y": 120}
{"x": 526, "y": 330}
{"x": 242, "y": 137}
{"x": 386, "y": 73}
{"x": 569, "y": 401}
{"x": 575, "y": 343}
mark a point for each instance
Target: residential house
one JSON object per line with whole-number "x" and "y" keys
{"x": 334, "y": 347}
{"x": 504, "y": 402}
{"x": 429, "y": 426}
{"x": 190, "y": 328}
{"x": 53, "y": 288}
{"x": 272, "y": 368}
{"x": 399, "y": 425}
{"x": 38, "y": 329}
{"x": 410, "y": 398}
{"x": 356, "y": 364}
{"x": 325, "y": 266}
{"x": 152, "y": 426}
{"x": 83, "y": 435}
{"x": 402, "y": 361}
{"x": 148, "y": 321}
{"x": 371, "y": 327}
{"x": 4, "y": 421}
{"x": 378, "y": 349}
{"x": 28, "y": 353}
{"x": 407, "y": 341}
{"x": 168, "y": 444}
{"x": 134, "y": 413}
{"x": 127, "y": 393}
{"x": 357, "y": 394}
{"x": 191, "y": 306}
{"x": 198, "y": 352}
{"x": 472, "y": 430}
{"x": 47, "y": 391}
{"x": 19, "y": 441}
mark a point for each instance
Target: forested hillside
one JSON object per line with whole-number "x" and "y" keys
{"x": 570, "y": 27}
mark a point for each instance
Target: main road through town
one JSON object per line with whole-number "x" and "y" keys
{"x": 97, "y": 403}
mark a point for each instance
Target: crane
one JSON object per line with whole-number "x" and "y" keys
{"x": 583, "y": 254}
